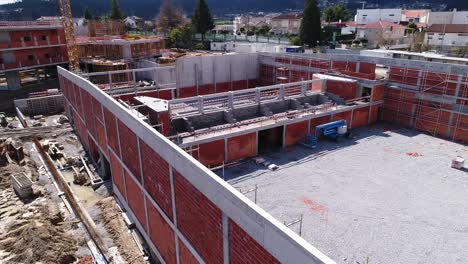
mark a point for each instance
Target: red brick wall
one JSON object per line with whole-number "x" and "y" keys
{"x": 346, "y": 90}
{"x": 157, "y": 179}
{"x": 185, "y": 255}
{"x": 161, "y": 234}
{"x": 135, "y": 199}
{"x": 296, "y": 132}
{"x": 244, "y": 249}
{"x": 199, "y": 220}
{"x": 117, "y": 174}
{"x": 242, "y": 146}
{"x": 360, "y": 117}
{"x": 212, "y": 153}
{"x": 130, "y": 156}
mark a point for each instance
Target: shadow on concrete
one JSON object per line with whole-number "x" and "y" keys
{"x": 298, "y": 154}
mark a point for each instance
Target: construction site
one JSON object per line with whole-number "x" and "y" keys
{"x": 143, "y": 155}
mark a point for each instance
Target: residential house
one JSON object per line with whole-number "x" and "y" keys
{"x": 132, "y": 21}
{"x": 417, "y": 16}
{"x": 224, "y": 29}
{"x": 447, "y": 35}
{"x": 286, "y": 23}
{"x": 366, "y": 16}
{"x": 250, "y": 21}
{"x": 381, "y": 33}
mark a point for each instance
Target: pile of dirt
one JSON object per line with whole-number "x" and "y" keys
{"x": 111, "y": 217}
{"x": 42, "y": 238}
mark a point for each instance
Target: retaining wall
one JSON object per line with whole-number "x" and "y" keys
{"x": 185, "y": 212}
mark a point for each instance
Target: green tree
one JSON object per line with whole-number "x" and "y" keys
{"x": 182, "y": 37}
{"x": 87, "y": 14}
{"x": 202, "y": 20}
{"x": 310, "y": 29}
{"x": 116, "y": 13}
{"x": 336, "y": 13}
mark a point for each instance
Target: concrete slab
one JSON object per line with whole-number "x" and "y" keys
{"x": 386, "y": 196}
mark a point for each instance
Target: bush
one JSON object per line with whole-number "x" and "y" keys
{"x": 200, "y": 46}
{"x": 296, "y": 41}
{"x": 356, "y": 41}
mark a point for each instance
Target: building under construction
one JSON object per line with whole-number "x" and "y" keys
{"x": 213, "y": 158}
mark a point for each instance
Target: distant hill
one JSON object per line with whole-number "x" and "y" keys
{"x": 32, "y": 9}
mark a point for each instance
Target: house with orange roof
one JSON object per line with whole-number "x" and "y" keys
{"x": 381, "y": 33}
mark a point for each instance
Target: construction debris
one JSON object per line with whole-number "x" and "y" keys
{"x": 458, "y": 163}
{"x": 22, "y": 185}
{"x": 10, "y": 152}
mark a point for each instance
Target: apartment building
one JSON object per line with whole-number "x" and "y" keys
{"x": 286, "y": 23}
{"x": 381, "y": 33}
{"x": 366, "y": 16}
{"x": 30, "y": 46}
{"x": 450, "y": 17}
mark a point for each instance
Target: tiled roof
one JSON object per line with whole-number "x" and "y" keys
{"x": 383, "y": 24}
{"x": 415, "y": 13}
{"x": 448, "y": 28}
{"x": 289, "y": 16}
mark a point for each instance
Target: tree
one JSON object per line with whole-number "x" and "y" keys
{"x": 182, "y": 37}
{"x": 202, "y": 20}
{"x": 310, "y": 29}
{"x": 336, "y": 13}
{"x": 87, "y": 14}
{"x": 170, "y": 17}
{"x": 116, "y": 13}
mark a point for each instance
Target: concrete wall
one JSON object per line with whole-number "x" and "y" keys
{"x": 212, "y": 74}
{"x": 185, "y": 212}
{"x": 366, "y": 16}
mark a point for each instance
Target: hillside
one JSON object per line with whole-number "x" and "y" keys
{"x": 32, "y": 9}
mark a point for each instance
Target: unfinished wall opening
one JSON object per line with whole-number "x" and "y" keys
{"x": 270, "y": 140}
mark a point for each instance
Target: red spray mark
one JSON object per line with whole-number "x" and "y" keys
{"x": 314, "y": 207}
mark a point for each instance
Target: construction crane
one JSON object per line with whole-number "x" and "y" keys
{"x": 69, "y": 29}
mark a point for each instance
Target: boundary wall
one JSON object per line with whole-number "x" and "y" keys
{"x": 427, "y": 96}
{"x": 185, "y": 212}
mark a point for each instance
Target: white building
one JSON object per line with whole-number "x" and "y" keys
{"x": 418, "y": 16}
{"x": 286, "y": 23}
{"x": 449, "y": 35}
{"x": 451, "y": 17}
{"x": 366, "y": 16}
{"x": 132, "y": 21}
{"x": 250, "y": 21}
{"x": 382, "y": 34}
{"x": 224, "y": 28}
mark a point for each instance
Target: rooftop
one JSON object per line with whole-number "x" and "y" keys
{"x": 289, "y": 16}
{"x": 387, "y": 195}
{"x": 383, "y": 24}
{"x": 448, "y": 28}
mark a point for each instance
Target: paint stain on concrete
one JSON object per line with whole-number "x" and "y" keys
{"x": 314, "y": 207}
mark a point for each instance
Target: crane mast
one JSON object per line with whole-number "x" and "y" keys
{"x": 69, "y": 29}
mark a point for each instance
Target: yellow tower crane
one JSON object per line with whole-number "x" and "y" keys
{"x": 69, "y": 29}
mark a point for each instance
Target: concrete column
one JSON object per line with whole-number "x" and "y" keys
{"x": 358, "y": 66}
{"x": 134, "y": 81}
{"x": 281, "y": 92}
{"x": 231, "y": 100}
{"x": 226, "y": 239}
{"x": 257, "y": 95}
{"x": 419, "y": 78}
{"x": 110, "y": 79}
{"x": 450, "y": 124}
{"x": 324, "y": 86}
{"x": 200, "y": 104}
{"x": 304, "y": 88}
{"x": 13, "y": 80}
{"x": 457, "y": 89}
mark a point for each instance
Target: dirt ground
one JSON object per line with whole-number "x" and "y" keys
{"x": 41, "y": 229}
{"x": 110, "y": 217}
